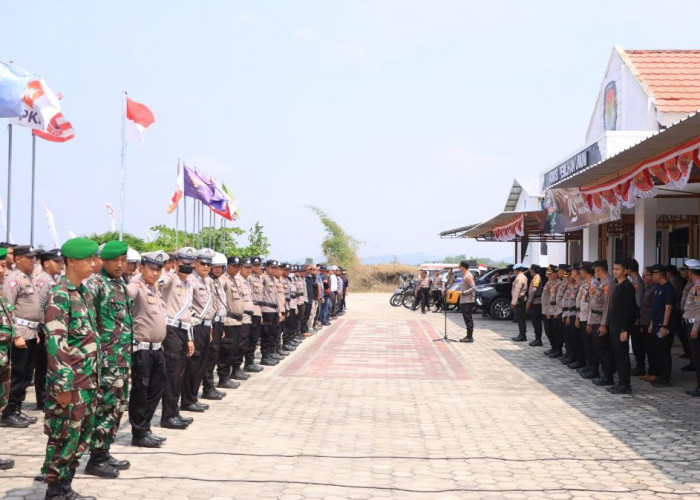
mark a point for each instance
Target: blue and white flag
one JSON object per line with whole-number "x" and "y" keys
{"x": 13, "y": 85}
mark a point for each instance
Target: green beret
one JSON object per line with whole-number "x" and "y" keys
{"x": 79, "y": 248}
{"x": 3, "y": 253}
{"x": 113, "y": 249}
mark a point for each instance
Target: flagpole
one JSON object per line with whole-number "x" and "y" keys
{"x": 184, "y": 218}
{"x": 177, "y": 212}
{"x": 31, "y": 227}
{"x": 123, "y": 173}
{"x": 9, "y": 179}
{"x": 201, "y": 224}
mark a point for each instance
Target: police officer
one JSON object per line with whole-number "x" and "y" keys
{"x": 272, "y": 315}
{"x": 51, "y": 267}
{"x": 691, "y": 315}
{"x": 548, "y": 302}
{"x": 282, "y": 307}
{"x": 233, "y": 328}
{"x": 534, "y": 303}
{"x": 518, "y": 301}
{"x": 148, "y": 370}
{"x": 240, "y": 281}
{"x": 256, "y": 286}
{"x": 569, "y": 316}
{"x": 637, "y": 339}
{"x": 598, "y": 323}
{"x": 72, "y": 344}
{"x": 21, "y": 293}
{"x": 218, "y": 267}
{"x": 178, "y": 344}
{"x": 203, "y": 312}
{"x": 422, "y": 291}
{"x": 585, "y": 347}
{"x": 6, "y": 332}
{"x": 114, "y": 326}
{"x": 558, "y": 330}
{"x": 467, "y": 296}
{"x": 289, "y": 343}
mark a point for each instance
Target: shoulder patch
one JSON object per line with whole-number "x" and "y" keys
{"x": 606, "y": 289}
{"x": 12, "y": 283}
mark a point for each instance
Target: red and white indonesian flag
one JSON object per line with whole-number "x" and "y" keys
{"x": 179, "y": 190}
{"x": 138, "y": 119}
{"x": 42, "y": 113}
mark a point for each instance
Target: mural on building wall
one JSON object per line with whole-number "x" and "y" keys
{"x": 566, "y": 211}
{"x": 610, "y": 107}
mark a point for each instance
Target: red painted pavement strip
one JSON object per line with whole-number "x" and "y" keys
{"x": 377, "y": 349}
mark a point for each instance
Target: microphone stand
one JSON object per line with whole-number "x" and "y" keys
{"x": 445, "y": 338}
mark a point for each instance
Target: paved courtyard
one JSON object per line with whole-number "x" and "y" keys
{"x": 373, "y": 408}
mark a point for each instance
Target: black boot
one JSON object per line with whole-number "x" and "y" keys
{"x": 118, "y": 464}
{"x": 98, "y": 466}
{"x": 6, "y": 463}
{"x": 72, "y": 494}
{"x": 468, "y": 339}
{"x": 537, "y": 342}
{"x": 56, "y": 491}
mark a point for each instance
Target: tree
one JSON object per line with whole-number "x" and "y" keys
{"x": 258, "y": 244}
{"x": 339, "y": 247}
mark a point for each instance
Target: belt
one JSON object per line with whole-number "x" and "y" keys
{"x": 178, "y": 324}
{"x": 218, "y": 319}
{"x": 249, "y": 313}
{"x": 594, "y": 311}
{"x": 553, "y": 303}
{"x": 268, "y": 304}
{"x": 150, "y": 346}
{"x": 26, "y": 322}
{"x": 200, "y": 321}
{"x": 238, "y": 317}
{"x": 578, "y": 309}
{"x": 691, "y": 320}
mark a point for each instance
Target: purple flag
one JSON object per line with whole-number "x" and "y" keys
{"x": 198, "y": 188}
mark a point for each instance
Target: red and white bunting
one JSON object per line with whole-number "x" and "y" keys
{"x": 672, "y": 170}
{"x": 510, "y": 231}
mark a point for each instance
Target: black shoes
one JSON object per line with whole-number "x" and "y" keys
{"x": 228, "y": 384}
{"x": 603, "y": 381}
{"x": 536, "y": 343}
{"x": 28, "y": 418}
{"x": 555, "y": 354}
{"x": 145, "y": 442}
{"x": 289, "y": 347}
{"x": 157, "y": 438}
{"x": 269, "y": 362}
{"x": 519, "y": 338}
{"x": 566, "y": 360}
{"x": 590, "y": 375}
{"x": 173, "y": 423}
{"x": 195, "y": 407}
{"x": 638, "y": 371}
{"x": 6, "y": 463}
{"x": 62, "y": 490}
{"x": 118, "y": 464}
{"x": 253, "y": 368}
{"x": 468, "y": 339}
{"x": 186, "y": 420}
{"x": 620, "y": 389}
{"x": 688, "y": 368}
{"x": 212, "y": 394}
{"x": 576, "y": 365}
{"x": 548, "y": 352}
{"x": 241, "y": 375}
{"x": 661, "y": 383}
{"x": 13, "y": 420}
{"x": 101, "y": 468}
{"x": 695, "y": 393}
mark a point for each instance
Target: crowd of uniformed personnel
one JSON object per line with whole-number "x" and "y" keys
{"x": 591, "y": 313}
{"x": 101, "y": 329}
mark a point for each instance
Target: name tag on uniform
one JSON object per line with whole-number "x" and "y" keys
{"x": 150, "y": 300}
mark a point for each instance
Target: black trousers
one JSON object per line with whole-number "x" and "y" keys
{"x": 650, "y": 349}
{"x": 662, "y": 353}
{"x": 683, "y": 336}
{"x": 194, "y": 368}
{"x": 240, "y": 348}
{"x": 290, "y": 325}
{"x": 217, "y": 332}
{"x": 147, "y": 388}
{"x": 536, "y": 318}
{"x": 467, "y": 309}
{"x": 694, "y": 345}
{"x": 422, "y": 299}
{"x": 569, "y": 333}
{"x": 520, "y": 317}
{"x": 587, "y": 351}
{"x": 437, "y": 298}
{"x": 557, "y": 333}
{"x": 638, "y": 346}
{"x": 604, "y": 352}
{"x": 302, "y": 315}
{"x": 253, "y": 338}
{"x": 268, "y": 334}
{"x": 40, "y": 365}
{"x": 175, "y": 353}
{"x": 621, "y": 353}
{"x": 22, "y": 362}
{"x": 279, "y": 328}
{"x": 229, "y": 344}
{"x": 548, "y": 331}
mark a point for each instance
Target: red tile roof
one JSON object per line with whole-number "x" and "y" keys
{"x": 671, "y": 76}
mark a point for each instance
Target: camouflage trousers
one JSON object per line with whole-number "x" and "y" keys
{"x": 69, "y": 430}
{"x": 112, "y": 401}
{"x": 4, "y": 378}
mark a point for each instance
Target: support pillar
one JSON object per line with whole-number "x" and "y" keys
{"x": 645, "y": 231}
{"x": 590, "y": 243}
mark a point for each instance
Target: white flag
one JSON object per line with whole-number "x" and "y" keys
{"x": 110, "y": 213}
{"x": 40, "y": 106}
{"x": 52, "y": 228}
{"x": 4, "y": 221}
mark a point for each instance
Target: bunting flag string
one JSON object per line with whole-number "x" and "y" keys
{"x": 672, "y": 170}
{"x": 510, "y": 231}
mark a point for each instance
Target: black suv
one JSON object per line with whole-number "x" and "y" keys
{"x": 493, "y": 293}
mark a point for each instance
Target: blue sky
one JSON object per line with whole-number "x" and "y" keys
{"x": 398, "y": 118}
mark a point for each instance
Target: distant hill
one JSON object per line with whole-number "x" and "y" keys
{"x": 417, "y": 258}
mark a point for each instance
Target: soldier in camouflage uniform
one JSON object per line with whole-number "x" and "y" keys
{"x": 114, "y": 324}
{"x": 5, "y": 344}
{"x": 73, "y": 350}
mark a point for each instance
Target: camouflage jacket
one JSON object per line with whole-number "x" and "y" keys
{"x": 72, "y": 343}
{"x": 5, "y": 331}
{"x": 113, "y": 308}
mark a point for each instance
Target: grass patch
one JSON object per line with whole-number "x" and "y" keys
{"x": 378, "y": 278}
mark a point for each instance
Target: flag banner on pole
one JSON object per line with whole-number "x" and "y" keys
{"x": 110, "y": 214}
{"x": 52, "y": 227}
{"x": 138, "y": 119}
{"x": 220, "y": 195}
{"x": 179, "y": 191}
{"x": 58, "y": 130}
{"x": 42, "y": 113}
{"x": 13, "y": 85}
{"x": 233, "y": 204}
{"x": 194, "y": 186}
